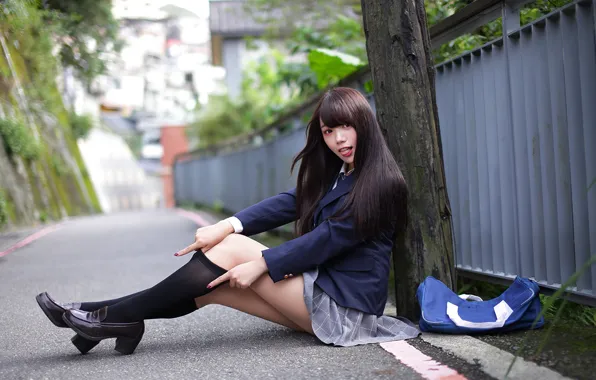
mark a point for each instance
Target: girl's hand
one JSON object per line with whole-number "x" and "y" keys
{"x": 208, "y": 237}
{"x": 243, "y": 275}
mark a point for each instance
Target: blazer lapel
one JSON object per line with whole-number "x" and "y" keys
{"x": 343, "y": 186}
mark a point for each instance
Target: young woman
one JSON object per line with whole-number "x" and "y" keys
{"x": 330, "y": 281}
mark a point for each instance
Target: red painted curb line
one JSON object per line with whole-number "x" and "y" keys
{"x": 198, "y": 219}
{"x": 421, "y": 363}
{"x": 31, "y": 238}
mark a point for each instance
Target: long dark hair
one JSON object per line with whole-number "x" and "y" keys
{"x": 379, "y": 197}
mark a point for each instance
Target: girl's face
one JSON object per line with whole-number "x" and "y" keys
{"x": 342, "y": 141}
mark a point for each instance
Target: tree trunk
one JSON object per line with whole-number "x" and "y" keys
{"x": 398, "y": 46}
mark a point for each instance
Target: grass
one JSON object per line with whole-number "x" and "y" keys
{"x": 571, "y": 313}
{"x": 550, "y": 306}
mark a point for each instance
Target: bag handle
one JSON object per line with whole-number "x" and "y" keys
{"x": 469, "y": 297}
{"x": 502, "y": 312}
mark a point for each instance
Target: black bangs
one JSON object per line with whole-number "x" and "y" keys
{"x": 335, "y": 112}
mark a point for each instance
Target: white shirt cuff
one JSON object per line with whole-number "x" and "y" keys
{"x": 236, "y": 223}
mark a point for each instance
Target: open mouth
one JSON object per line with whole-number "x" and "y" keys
{"x": 346, "y": 152}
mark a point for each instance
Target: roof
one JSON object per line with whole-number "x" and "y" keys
{"x": 229, "y": 19}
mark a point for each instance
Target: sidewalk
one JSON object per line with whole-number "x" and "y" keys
{"x": 570, "y": 351}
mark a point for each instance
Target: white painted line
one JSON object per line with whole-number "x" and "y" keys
{"x": 494, "y": 361}
{"x": 425, "y": 365}
{"x": 29, "y": 239}
{"x": 198, "y": 219}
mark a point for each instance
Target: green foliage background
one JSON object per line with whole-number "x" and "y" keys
{"x": 37, "y": 132}
{"x": 330, "y": 41}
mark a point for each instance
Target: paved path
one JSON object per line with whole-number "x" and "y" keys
{"x": 106, "y": 256}
{"x": 119, "y": 180}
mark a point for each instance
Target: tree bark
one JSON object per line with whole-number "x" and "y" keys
{"x": 398, "y": 47}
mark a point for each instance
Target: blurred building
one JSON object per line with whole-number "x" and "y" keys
{"x": 233, "y": 29}
{"x": 229, "y": 25}
{"x": 163, "y": 72}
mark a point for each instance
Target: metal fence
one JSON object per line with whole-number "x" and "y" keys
{"x": 518, "y": 124}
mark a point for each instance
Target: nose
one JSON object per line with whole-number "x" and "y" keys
{"x": 340, "y": 136}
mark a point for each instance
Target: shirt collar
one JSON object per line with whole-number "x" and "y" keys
{"x": 342, "y": 171}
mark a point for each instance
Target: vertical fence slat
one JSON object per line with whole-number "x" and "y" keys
{"x": 494, "y": 199}
{"x": 449, "y": 112}
{"x": 576, "y": 141}
{"x": 482, "y": 123}
{"x": 548, "y": 185}
{"x": 469, "y": 210}
{"x": 463, "y": 211}
{"x": 558, "y": 110}
{"x": 518, "y": 105}
{"x": 507, "y": 173}
{"x": 533, "y": 139}
{"x": 587, "y": 70}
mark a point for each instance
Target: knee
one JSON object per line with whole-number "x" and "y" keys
{"x": 232, "y": 240}
{"x": 226, "y": 253}
{"x": 239, "y": 248}
{"x": 229, "y": 245}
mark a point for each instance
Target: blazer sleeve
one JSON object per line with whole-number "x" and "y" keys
{"x": 329, "y": 239}
{"x": 270, "y": 213}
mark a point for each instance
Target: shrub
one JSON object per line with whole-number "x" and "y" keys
{"x": 3, "y": 209}
{"x": 18, "y": 140}
{"x": 80, "y": 125}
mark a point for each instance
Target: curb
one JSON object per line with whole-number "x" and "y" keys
{"x": 195, "y": 217}
{"x": 31, "y": 238}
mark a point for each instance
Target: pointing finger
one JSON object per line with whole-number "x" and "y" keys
{"x": 224, "y": 277}
{"x": 184, "y": 251}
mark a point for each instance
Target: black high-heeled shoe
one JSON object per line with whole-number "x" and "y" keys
{"x": 53, "y": 310}
{"x": 90, "y": 325}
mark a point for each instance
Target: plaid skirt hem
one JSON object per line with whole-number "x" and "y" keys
{"x": 341, "y": 326}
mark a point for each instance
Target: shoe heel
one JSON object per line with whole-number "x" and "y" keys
{"x": 127, "y": 346}
{"x": 82, "y": 344}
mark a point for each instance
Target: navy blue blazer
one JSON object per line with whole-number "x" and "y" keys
{"x": 352, "y": 271}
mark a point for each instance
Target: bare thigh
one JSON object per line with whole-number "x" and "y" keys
{"x": 286, "y": 296}
{"x": 247, "y": 301}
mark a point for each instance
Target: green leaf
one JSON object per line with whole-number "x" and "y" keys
{"x": 332, "y": 65}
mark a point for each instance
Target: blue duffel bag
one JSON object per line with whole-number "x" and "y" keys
{"x": 445, "y": 312}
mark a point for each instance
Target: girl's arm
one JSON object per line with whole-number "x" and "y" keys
{"x": 329, "y": 239}
{"x": 270, "y": 213}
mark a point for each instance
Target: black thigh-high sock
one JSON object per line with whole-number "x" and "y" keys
{"x": 180, "y": 309}
{"x": 90, "y": 306}
{"x": 187, "y": 283}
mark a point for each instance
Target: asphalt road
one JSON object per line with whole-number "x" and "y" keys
{"x": 111, "y": 255}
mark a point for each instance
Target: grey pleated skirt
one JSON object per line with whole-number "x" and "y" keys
{"x": 341, "y": 326}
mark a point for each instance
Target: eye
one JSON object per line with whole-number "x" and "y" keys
{"x": 325, "y": 132}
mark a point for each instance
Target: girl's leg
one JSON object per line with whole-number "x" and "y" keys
{"x": 190, "y": 281}
{"x": 182, "y": 286}
{"x": 287, "y": 296}
{"x": 180, "y": 309}
{"x": 124, "y": 320}
{"x": 247, "y": 301}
